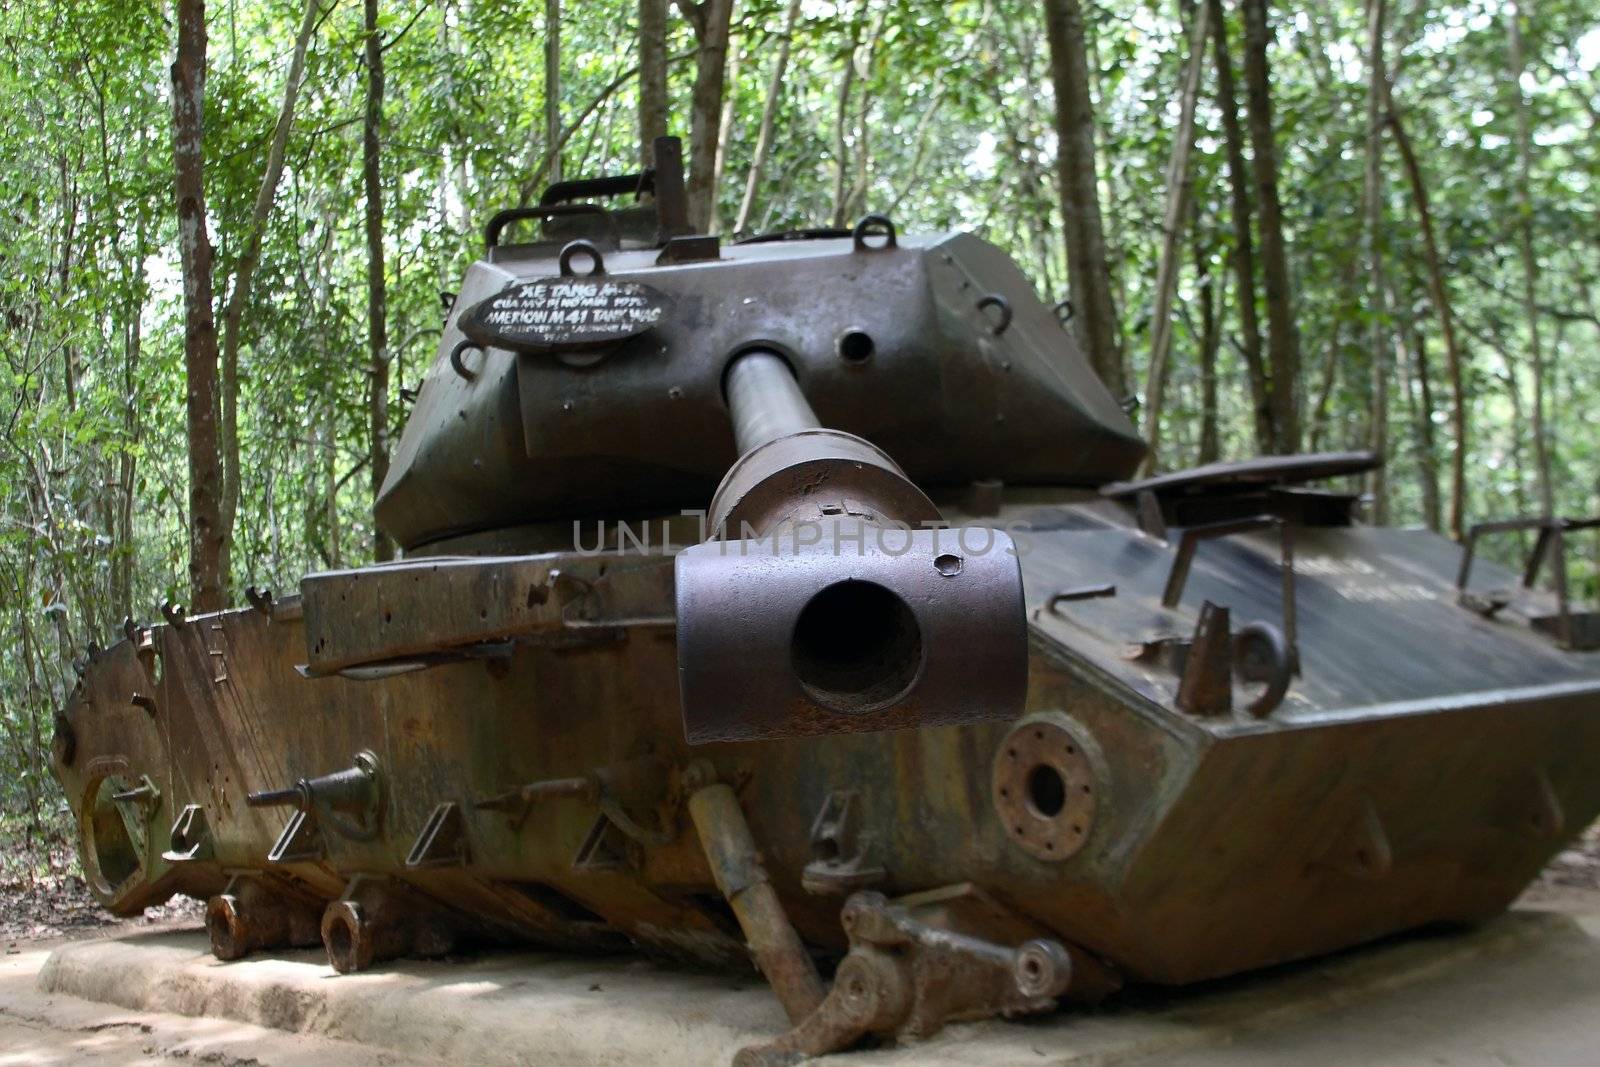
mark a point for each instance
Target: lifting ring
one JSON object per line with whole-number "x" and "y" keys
{"x": 873, "y": 224}
{"x": 586, "y": 248}
{"x": 995, "y": 300}
{"x": 1280, "y": 665}
{"x": 457, "y": 352}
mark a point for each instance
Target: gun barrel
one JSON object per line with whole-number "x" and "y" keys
{"x": 828, "y": 598}
{"x": 765, "y": 400}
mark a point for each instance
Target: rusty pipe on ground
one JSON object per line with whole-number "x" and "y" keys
{"x": 376, "y": 920}
{"x": 247, "y": 916}
{"x": 851, "y": 605}
{"x": 736, "y": 866}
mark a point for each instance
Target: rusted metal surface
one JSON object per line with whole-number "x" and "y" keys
{"x": 780, "y": 639}
{"x": 255, "y": 913}
{"x": 1568, "y": 628}
{"x": 736, "y": 868}
{"x": 904, "y": 978}
{"x": 963, "y": 782}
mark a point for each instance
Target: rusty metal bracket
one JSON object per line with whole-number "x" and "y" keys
{"x": 443, "y": 840}
{"x": 1577, "y": 631}
{"x": 613, "y": 789}
{"x": 190, "y": 838}
{"x": 1082, "y": 592}
{"x": 147, "y": 795}
{"x": 1189, "y": 542}
{"x": 299, "y": 841}
{"x": 1206, "y": 663}
{"x": 284, "y": 610}
{"x": 904, "y": 978}
{"x": 840, "y": 848}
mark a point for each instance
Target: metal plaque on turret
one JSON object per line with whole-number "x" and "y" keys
{"x": 550, "y": 313}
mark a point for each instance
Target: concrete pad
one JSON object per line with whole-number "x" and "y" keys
{"x": 1523, "y": 989}
{"x": 39, "y": 1029}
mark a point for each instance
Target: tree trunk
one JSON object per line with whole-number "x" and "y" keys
{"x": 552, "y": 89}
{"x": 769, "y": 116}
{"x": 652, "y": 77}
{"x": 1179, "y": 186}
{"x": 132, "y": 349}
{"x": 841, "y": 117}
{"x": 1530, "y": 265}
{"x": 1244, "y": 257}
{"x": 1411, "y": 355}
{"x": 377, "y": 295}
{"x": 1210, "y": 341}
{"x": 1440, "y": 295}
{"x": 1088, "y": 277}
{"x": 730, "y": 100}
{"x": 245, "y": 271}
{"x": 856, "y": 198}
{"x": 1282, "y": 356}
{"x": 1372, "y": 200}
{"x": 710, "y": 20}
{"x": 206, "y": 532}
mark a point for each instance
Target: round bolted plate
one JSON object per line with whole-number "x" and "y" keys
{"x": 550, "y": 313}
{"x": 1045, "y": 789}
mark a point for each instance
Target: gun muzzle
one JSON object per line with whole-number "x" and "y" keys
{"x": 829, "y": 598}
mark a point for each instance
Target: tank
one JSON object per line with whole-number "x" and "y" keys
{"x": 791, "y": 601}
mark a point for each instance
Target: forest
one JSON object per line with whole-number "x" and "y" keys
{"x": 1281, "y": 227}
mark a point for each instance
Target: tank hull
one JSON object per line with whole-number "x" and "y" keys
{"x": 1376, "y": 798}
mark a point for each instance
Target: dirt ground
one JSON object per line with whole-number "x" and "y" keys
{"x": 43, "y": 896}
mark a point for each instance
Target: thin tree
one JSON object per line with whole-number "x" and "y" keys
{"x": 552, "y": 89}
{"x": 710, "y": 20}
{"x": 206, "y": 530}
{"x": 1210, "y": 448}
{"x": 1282, "y": 343}
{"x": 1243, "y": 256}
{"x": 1411, "y": 360}
{"x": 1530, "y": 264}
{"x": 1088, "y": 275}
{"x": 730, "y": 102}
{"x": 1377, "y": 310}
{"x": 769, "y": 116}
{"x": 377, "y": 294}
{"x": 244, "y": 273}
{"x": 652, "y": 77}
{"x": 841, "y": 116}
{"x": 1439, "y": 293}
{"x": 1179, "y": 185}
